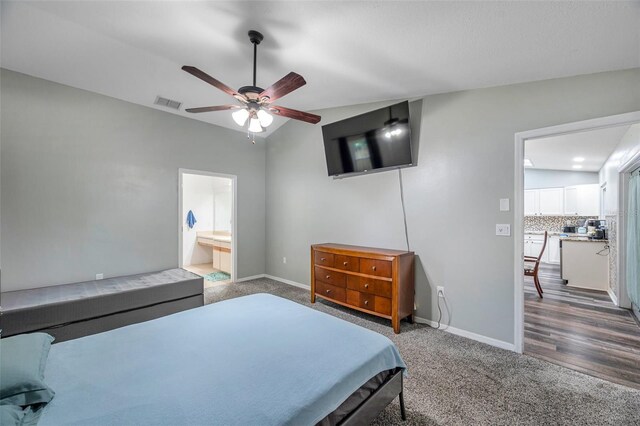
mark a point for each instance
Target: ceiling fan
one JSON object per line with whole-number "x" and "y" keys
{"x": 255, "y": 102}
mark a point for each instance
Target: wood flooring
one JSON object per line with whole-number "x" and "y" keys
{"x": 581, "y": 329}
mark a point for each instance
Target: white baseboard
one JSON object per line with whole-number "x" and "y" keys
{"x": 613, "y": 296}
{"x": 469, "y": 335}
{"x": 271, "y": 277}
{"x": 252, "y": 277}
{"x": 283, "y": 280}
{"x": 458, "y": 332}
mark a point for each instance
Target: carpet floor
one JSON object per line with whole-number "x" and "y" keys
{"x": 457, "y": 381}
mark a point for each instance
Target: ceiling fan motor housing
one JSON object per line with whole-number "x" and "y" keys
{"x": 255, "y": 37}
{"x": 251, "y": 92}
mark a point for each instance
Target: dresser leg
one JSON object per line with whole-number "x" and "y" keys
{"x": 395, "y": 322}
{"x": 313, "y": 298}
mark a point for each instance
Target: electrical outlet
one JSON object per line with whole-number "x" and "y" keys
{"x": 284, "y": 260}
{"x": 99, "y": 276}
{"x": 440, "y": 291}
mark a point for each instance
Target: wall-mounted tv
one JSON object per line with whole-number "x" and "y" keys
{"x": 374, "y": 141}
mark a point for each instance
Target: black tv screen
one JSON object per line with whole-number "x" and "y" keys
{"x": 379, "y": 139}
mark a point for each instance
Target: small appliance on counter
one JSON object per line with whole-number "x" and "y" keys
{"x": 569, "y": 229}
{"x": 600, "y": 234}
{"x": 599, "y": 229}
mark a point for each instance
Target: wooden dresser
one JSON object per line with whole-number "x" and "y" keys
{"x": 376, "y": 281}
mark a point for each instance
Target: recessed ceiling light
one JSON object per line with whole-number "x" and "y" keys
{"x": 528, "y": 163}
{"x": 577, "y": 166}
{"x": 578, "y": 159}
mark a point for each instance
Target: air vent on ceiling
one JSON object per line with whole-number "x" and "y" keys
{"x": 167, "y": 103}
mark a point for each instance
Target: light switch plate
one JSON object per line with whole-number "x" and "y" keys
{"x": 503, "y": 229}
{"x": 504, "y": 204}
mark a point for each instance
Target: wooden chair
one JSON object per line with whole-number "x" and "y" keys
{"x": 532, "y": 265}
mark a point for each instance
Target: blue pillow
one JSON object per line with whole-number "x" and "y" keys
{"x": 11, "y": 415}
{"x": 22, "y": 362}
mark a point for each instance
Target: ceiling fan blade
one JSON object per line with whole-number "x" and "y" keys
{"x": 295, "y": 114}
{"x": 284, "y": 86}
{"x": 207, "y": 78}
{"x": 213, "y": 108}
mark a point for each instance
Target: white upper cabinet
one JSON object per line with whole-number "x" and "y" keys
{"x": 541, "y": 202}
{"x": 571, "y": 200}
{"x": 531, "y": 202}
{"x": 552, "y": 201}
{"x": 582, "y": 200}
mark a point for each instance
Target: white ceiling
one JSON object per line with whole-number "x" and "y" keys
{"x": 558, "y": 152}
{"x": 349, "y": 52}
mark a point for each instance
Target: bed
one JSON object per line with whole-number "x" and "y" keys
{"x": 253, "y": 360}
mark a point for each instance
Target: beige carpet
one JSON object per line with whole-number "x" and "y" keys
{"x": 456, "y": 381}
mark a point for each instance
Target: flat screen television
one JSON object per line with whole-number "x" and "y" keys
{"x": 374, "y": 141}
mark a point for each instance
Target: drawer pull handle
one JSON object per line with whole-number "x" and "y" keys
{"x": 322, "y": 259}
{"x": 345, "y": 263}
{"x": 373, "y": 267}
{"x": 366, "y": 286}
{"x": 366, "y": 302}
{"x": 328, "y": 276}
{"x": 328, "y": 291}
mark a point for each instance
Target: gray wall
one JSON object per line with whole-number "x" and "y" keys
{"x": 90, "y": 184}
{"x": 466, "y": 164}
{"x": 534, "y": 179}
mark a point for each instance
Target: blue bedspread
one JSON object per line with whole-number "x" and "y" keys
{"x": 255, "y": 360}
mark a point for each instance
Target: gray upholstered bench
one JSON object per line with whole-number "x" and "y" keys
{"x": 74, "y": 310}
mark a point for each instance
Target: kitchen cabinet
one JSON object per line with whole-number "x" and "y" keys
{"x": 551, "y": 201}
{"x": 533, "y": 244}
{"x": 585, "y": 264}
{"x": 553, "y": 250}
{"x": 544, "y": 202}
{"x": 582, "y": 200}
{"x": 531, "y": 202}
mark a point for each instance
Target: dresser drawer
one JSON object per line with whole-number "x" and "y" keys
{"x": 378, "y": 304}
{"x": 323, "y": 259}
{"x": 330, "y": 277}
{"x": 369, "y": 285}
{"x": 348, "y": 263}
{"x": 330, "y": 291}
{"x": 381, "y": 268}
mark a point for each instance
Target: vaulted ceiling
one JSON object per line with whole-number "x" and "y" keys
{"x": 349, "y": 52}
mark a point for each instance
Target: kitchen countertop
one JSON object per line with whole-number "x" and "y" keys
{"x": 567, "y": 236}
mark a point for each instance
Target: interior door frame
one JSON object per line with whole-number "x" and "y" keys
{"x": 624, "y": 171}
{"x": 518, "y": 224}
{"x": 234, "y": 215}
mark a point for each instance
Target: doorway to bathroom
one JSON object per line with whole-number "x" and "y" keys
{"x": 207, "y": 225}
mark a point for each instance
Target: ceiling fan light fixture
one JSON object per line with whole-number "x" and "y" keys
{"x": 265, "y": 118}
{"x": 254, "y": 126}
{"x": 240, "y": 116}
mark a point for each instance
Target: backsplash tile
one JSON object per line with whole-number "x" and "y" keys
{"x": 550, "y": 223}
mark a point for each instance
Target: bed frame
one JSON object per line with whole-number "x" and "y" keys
{"x": 377, "y": 401}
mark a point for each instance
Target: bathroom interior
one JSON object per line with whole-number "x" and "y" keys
{"x": 207, "y": 224}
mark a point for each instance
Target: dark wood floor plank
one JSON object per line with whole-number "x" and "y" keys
{"x": 581, "y": 329}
